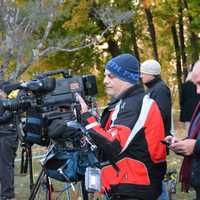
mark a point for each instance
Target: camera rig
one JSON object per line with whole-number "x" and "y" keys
{"x": 44, "y": 99}
{"x": 47, "y": 104}
{"x": 48, "y": 93}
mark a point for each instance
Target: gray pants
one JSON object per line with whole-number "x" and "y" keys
{"x": 8, "y": 148}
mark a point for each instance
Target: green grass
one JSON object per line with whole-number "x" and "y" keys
{"x": 22, "y": 181}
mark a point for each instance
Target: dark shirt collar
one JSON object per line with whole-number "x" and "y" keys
{"x": 153, "y": 82}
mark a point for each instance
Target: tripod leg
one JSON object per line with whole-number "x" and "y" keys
{"x": 83, "y": 190}
{"x": 49, "y": 188}
{"x": 22, "y": 162}
{"x": 30, "y": 167}
{"x": 37, "y": 185}
{"x": 67, "y": 192}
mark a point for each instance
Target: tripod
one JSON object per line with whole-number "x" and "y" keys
{"x": 43, "y": 182}
{"x": 42, "y": 179}
{"x": 26, "y": 159}
{"x": 26, "y": 154}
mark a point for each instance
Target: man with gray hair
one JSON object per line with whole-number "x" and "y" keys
{"x": 190, "y": 146}
{"x": 129, "y": 135}
{"x": 158, "y": 90}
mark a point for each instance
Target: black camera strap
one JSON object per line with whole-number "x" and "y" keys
{"x": 109, "y": 162}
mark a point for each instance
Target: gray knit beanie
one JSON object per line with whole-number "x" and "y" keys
{"x": 151, "y": 67}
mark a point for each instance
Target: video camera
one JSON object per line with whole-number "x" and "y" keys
{"x": 49, "y": 93}
{"x": 44, "y": 99}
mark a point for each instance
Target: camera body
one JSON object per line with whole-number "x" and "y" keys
{"x": 46, "y": 99}
{"x": 65, "y": 88}
{"x": 47, "y": 92}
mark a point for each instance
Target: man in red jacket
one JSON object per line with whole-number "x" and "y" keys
{"x": 129, "y": 135}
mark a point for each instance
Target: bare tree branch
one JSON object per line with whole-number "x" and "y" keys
{"x": 5, "y": 63}
{"x": 25, "y": 47}
{"x": 93, "y": 41}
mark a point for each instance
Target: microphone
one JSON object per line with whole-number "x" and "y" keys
{"x": 39, "y": 85}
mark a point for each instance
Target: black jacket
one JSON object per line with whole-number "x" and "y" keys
{"x": 7, "y": 124}
{"x": 194, "y": 133}
{"x": 161, "y": 94}
{"x": 188, "y": 101}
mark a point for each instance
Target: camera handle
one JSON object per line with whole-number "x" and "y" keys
{"x": 78, "y": 111}
{"x": 64, "y": 72}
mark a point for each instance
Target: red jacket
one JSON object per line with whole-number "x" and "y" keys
{"x": 141, "y": 165}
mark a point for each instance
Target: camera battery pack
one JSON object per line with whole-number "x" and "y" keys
{"x": 93, "y": 179}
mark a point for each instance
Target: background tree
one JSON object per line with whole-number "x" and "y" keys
{"x": 192, "y": 7}
{"x": 34, "y": 29}
{"x": 151, "y": 29}
{"x": 82, "y": 35}
{"x": 182, "y": 38}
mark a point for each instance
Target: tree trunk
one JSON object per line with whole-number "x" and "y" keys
{"x": 182, "y": 39}
{"x": 4, "y": 65}
{"x": 113, "y": 47}
{"x": 152, "y": 32}
{"x": 194, "y": 44}
{"x": 178, "y": 58}
{"x": 193, "y": 37}
{"x": 134, "y": 39}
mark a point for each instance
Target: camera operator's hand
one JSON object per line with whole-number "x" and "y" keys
{"x": 84, "y": 106}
